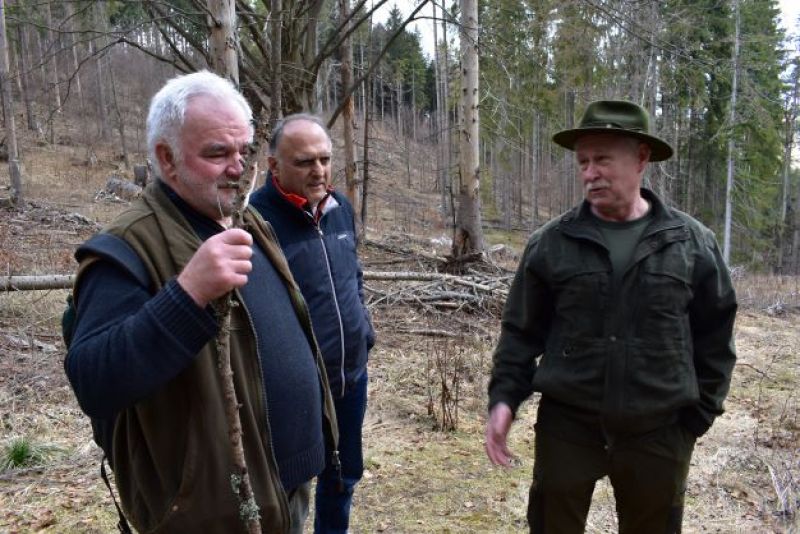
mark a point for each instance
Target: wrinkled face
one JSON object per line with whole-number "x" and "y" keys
{"x": 302, "y": 162}
{"x": 611, "y": 168}
{"x": 213, "y": 142}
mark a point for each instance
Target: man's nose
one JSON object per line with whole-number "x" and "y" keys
{"x": 318, "y": 168}
{"x": 589, "y": 171}
{"x": 235, "y": 166}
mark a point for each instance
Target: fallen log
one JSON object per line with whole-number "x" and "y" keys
{"x": 36, "y": 282}
{"x": 65, "y": 281}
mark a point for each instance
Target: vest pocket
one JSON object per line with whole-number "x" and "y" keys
{"x": 178, "y": 507}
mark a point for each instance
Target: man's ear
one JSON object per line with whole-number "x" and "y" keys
{"x": 644, "y": 155}
{"x": 167, "y": 161}
{"x": 272, "y": 161}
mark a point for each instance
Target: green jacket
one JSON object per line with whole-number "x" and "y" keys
{"x": 171, "y": 453}
{"x": 660, "y": 343}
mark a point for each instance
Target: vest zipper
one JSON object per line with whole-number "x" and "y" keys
{"x": 335, "y": 302}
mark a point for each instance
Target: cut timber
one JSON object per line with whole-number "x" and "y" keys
{"x": 65, "y": 281}
{"x": 29, "y": 283}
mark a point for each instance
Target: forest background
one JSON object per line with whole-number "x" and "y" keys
{"x": 720, "y": 78}
{"x": 541, "y": 62}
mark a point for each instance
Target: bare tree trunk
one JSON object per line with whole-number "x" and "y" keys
{"x": 438, "y": 117}
{"x": 726, "y": 247}
{"x": 120, "y": 119}
{"x": 40, "y": 56}
{"x": 276, "y": 25}
{"x": 14, "y": 172}
{"x": 789, "y": 119}
{"x": 413, "y": 106}
{"x": 365, "y": 84}
{"x": 51, "y": 46}
{"x": 348, "y": 113}
{"x": 73, "y": 50}
{"x": 100, "y": 25}
{"x": 398, "y": 95}
{"x": 796, "y": 234}
{"x": 222, "y": 39}
{"x": 22, "y": 66}
{"x": 365, "y": 166}
{"x": 444, "y": 79}
{"x": 469, "y": 234}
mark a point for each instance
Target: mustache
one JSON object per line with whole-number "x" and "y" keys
{"x": 588, "y": 188}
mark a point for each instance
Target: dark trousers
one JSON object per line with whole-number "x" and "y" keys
{"x": 333, "y": 499}
{"x": 647, "y": 470}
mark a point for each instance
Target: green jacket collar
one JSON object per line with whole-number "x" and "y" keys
{"x": 578, "y": 223}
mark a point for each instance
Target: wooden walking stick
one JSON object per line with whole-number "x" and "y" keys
{"x": 240, "y": 478}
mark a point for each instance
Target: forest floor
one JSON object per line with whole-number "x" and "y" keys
{"x": 745, "y": 474}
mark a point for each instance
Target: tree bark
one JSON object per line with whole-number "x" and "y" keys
{"x": 51, "y": 46}
{"x": 120, "y": 119}
{"x": 73, "y": 50}
{"x": 469, "y": 234}
{"x": 102, "y": 105}
{"x": 726, "y": 247}
{"x": 365, "y": 165}
{"x": 222, "y": 39}
{"x": 14, "y": 172}
{"x": 22, "y": 66}
{"x": 348, "y": 113}
{"x": 276, "y": 25}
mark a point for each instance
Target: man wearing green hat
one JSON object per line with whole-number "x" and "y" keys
{"x": 621, "y": 315}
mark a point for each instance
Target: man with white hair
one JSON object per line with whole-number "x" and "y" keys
{"x": 143, "y": 360}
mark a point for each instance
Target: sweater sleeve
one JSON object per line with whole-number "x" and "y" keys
{"x": 523, "y": 334}
{"x": 712, "y": 314}
{"x": 127, "y": 342}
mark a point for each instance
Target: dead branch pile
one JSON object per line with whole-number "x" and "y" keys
{"x": 474, "y": 292}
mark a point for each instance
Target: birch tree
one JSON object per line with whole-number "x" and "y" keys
{"x": 726, "y": 245}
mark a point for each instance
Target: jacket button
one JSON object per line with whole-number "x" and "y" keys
{"x": 612, "y": 338}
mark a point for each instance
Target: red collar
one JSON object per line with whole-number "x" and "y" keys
{"x": 299, "y": 201}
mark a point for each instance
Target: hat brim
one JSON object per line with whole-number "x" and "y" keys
{"x": 660, "y": 150}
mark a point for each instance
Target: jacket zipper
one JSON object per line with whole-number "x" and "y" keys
{"x": 335, "y": 302}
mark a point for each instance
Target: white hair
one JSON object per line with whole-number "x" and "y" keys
{"x": 168, "y": 109}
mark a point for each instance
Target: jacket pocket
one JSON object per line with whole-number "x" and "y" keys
{"x": 573, "y": 372}
{"x": 580, "y": 301}
{"x": 659, "y": 378}
{"x": 664, "y": 294}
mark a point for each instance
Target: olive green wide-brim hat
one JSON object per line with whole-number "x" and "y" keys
{"x": 616, "y": 117}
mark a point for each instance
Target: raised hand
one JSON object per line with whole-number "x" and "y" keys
{"x": 220, "y": 265}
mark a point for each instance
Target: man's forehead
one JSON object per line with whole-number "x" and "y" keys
{"x": 301, "y": 130}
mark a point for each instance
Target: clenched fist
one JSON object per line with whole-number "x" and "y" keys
{"x": 220, "y": 265}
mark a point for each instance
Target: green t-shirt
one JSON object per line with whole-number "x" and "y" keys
{"x": 621, "y": 239}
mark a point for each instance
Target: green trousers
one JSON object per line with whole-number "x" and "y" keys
{"x": 647, "y": 470}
